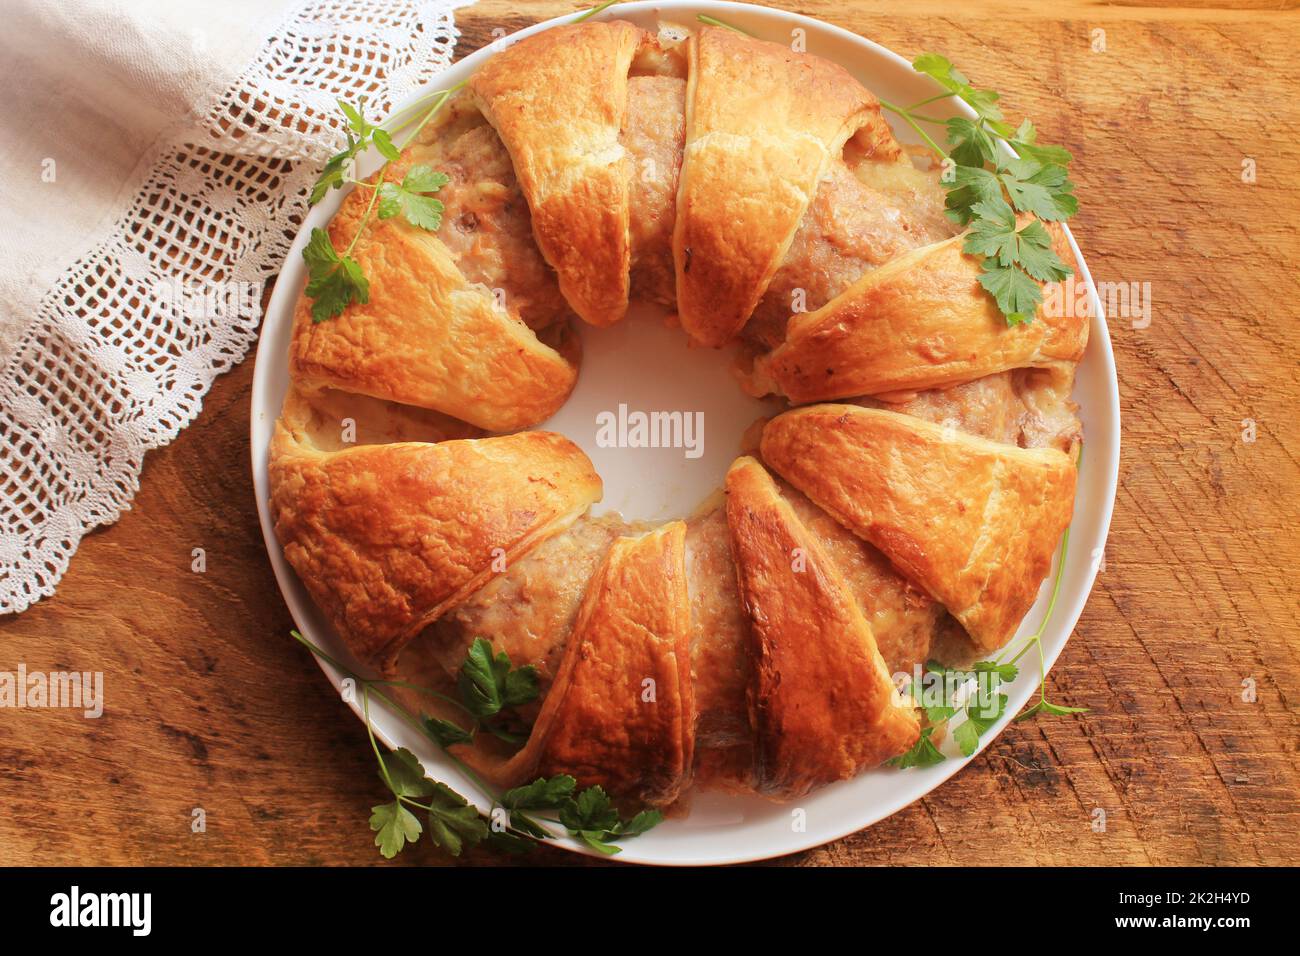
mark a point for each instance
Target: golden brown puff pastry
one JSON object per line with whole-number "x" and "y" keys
{"x": 740, "y": 173}
{"x": 557, "y": 101}
{"x": 335, "y": 420}
{"x": 903, "y": 618}
{"x": 920, "y": 321}
{"x": 621, "y": 711}
{"x": 387, "y": 537}
{"x": 427, "y": 337}
{"x": 762, "y": 126}
{"x": 625, "y": 714}
{"x": 822, "y": 704}
{"x": 973, "y": 522}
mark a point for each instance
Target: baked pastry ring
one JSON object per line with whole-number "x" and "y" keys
{"x": 919, "y": 517}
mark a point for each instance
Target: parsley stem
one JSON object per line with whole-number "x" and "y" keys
{"x": 414, "y": 109}
{"x": 907, "y": 116}
{"x": 379, "y": 176}
{"x": 1051, "y": 603}
{"x": 374, "y": 744}
{"x": 319, "y": 652}
{"x": 433, "y": 110}
{"x": 593, "y": 11}
{"x": 365, "y": 216}
{"x": 928, "y": 119}
{"x": 401, "y": 711}
{"x": 426, "y": 691}
{"x": 715, "y": 22}
{"x": 930, "y": 99}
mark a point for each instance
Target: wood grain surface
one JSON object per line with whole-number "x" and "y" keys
{"x": 211, "y": 705}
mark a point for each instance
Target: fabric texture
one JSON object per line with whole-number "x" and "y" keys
{"x": 156, "y": 159}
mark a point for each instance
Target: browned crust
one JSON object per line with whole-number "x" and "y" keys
{"x": 595, "y": 724}
{"x": 557, "y": 101}
{"x": 387, "y": 537}
{"x": 427, "y": 337}
{"x": 762, "y": 125}
{"x": 822, "y": 704}
{"x": 920, "y": 321}
{"x": 633, "y": 627}
{"x": 972, "y": 522}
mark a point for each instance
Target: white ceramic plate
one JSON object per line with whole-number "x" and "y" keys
{"x": 648, "y": 367}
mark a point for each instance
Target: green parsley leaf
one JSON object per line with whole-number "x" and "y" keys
{"x": 334, "y": 173}
{"x": 970, "y": 186}
{"x": 360, "y": 133}
{"x": 1046, "y": 707}
{"x": 592, "y": 810}
{"x": 967, "y": 737}
{"x": 355, "y": 117}
{"x": 1035, "y": 254}
{"x": 1025, "y": 143}
{"x": 1005, "y": 672}
{"x": 334, "y": 282}
{"x": 514, "y": 738}
{"x": 527, "y": 825}
{"x": 384, "y": 143}
{"x": 1045, "y": 191}
{"x": 446, "y": 732}
{"x": 406, "y": 774}
{"x": 971, "y": 143}
{"x": 1016, "y": 294}
{"x": 509, "y": 842}
{"x": 1035, "y": 182}
{"x": 597, "y": 841}
{"x": 983, "y": 102}
{"x": 395, "y": 826}
{"x": 639, "y": 824}
{"x": 453, "y": 823}
{"x": 410, "y": 199}
{"x": 923, "y": 753}
{"x": 993, "y": 231}
{"x": 491, "y": 684}
{"x": 541, "y": 794}
{"x": 983, "y": 711}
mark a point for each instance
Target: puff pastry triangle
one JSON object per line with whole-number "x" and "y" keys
{"x": 762, "y": 126}
{"x": 972, "y": 522}
{"x": 558, "y": 102}
{"x": 387, "y": 537}
{"x": 822, "y": 704}
{"x": 920, "y": 321}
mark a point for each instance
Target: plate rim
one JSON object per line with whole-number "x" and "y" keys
{"x": 270, "y": 364}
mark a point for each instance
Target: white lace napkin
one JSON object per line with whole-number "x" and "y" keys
{"x": 155, "y": 158}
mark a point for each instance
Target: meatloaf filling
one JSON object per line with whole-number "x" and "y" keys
{"x": 486, "y": 223}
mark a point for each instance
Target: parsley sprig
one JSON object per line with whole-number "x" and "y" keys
{"x": 335, "y": 280}
{"x": 985, "y": 704}
{"x": 490, "y": 689}
{"x": 987, "y": 188}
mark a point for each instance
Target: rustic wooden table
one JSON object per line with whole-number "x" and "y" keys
{"x": 211, "y": 705}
